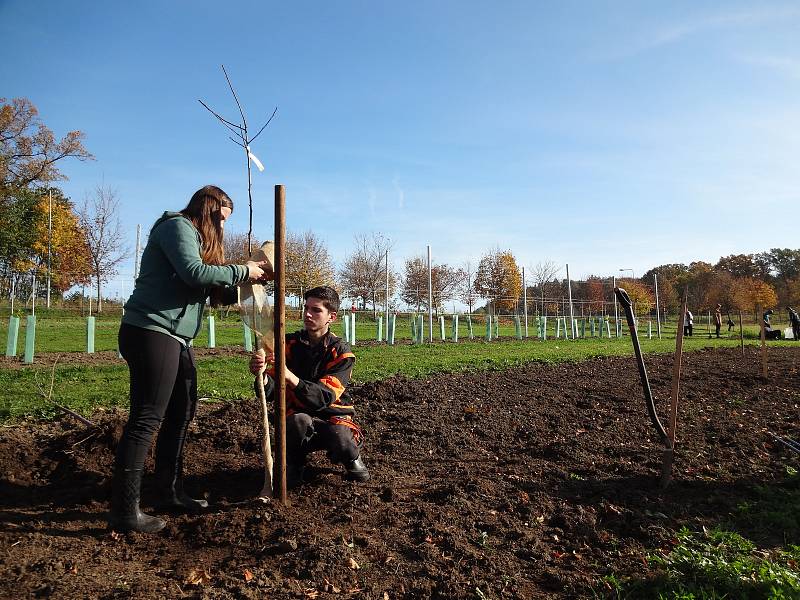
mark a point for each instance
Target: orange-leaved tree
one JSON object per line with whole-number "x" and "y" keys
{"x": 70, "y": 261}
{"x": 499, "y": 280}
{"x": 642, "y": 296}
{"x": 748, "y": 293}
{"x": 308, "y": 263}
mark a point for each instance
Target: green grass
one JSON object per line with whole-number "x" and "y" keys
{"x": 57, "y": 331}
{"x": 722, "y": 564}
{"x": 85, "y": 388}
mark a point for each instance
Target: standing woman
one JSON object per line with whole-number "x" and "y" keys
{"x": 182, "y": 265}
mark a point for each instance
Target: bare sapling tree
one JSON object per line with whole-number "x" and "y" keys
{"x": 364, "y": 272}
{"x": 242, "y": 138}
{"x": 99, "y": 218}
{"x": 542, "y": 273}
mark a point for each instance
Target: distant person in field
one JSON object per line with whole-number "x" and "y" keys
{"x": 770, "y": 333}
{"x": 730, "y": 323}
{"x": 718, "y": 318}
{"x": 182, "y": 264}
{"x": 688, "y": 323}
{"x": 794, "y": 321}
{"x": 319, "y": 411}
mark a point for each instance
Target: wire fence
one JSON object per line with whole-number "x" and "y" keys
{"x": 56, "y": 330}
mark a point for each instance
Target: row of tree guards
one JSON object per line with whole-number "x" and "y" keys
{"x": 451, "y": 327}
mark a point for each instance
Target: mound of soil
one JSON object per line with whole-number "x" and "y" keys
{"x": 528, "y": 483}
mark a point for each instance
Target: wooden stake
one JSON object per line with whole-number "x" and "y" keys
{"x": 669, "y": 453}
{"x": 763, "y": 345}
{"x": 741, "y": 333}
{"x": 280, "y": 342}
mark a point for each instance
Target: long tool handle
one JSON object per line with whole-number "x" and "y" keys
{"x": 266, "y": 446}
{"x": 627, "y": 305}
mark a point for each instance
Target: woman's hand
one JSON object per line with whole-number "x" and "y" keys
{"x": 259, "y": 271}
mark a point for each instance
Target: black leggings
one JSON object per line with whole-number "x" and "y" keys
{"x": 163, "y": 388}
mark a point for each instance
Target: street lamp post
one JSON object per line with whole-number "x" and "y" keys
{"x": 633, "y": 275}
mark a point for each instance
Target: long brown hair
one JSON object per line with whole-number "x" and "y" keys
{"x": 204, "y": 211}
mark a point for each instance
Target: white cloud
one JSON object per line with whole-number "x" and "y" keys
{"x": 651, "y": 38}
{"x": 785, "y": 66}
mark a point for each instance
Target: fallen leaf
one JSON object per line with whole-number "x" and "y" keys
{"x": 248, "y": 575}
{"x": 310, "y": 593}
{"x": 355, "y": 590}
{"x": 353, "y": 564}
{"x": 385, "y": 595}
{"x": 329, "y": 587}
{"x": 198, "y": 577}
{"x": 389, "y": 558}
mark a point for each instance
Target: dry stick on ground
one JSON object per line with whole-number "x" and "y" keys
{"x": 48, "y": 395}
{"x": 244, "y": 140}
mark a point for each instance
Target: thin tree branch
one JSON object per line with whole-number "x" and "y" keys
{"x": 235, "y": 97}
{"x": 48, "y": 396}
{"x": 265, "y": 125}
{"x": 232, "y": 126}
{"x": 237, "y": 142}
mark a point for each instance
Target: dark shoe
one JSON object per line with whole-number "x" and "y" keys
{"x": 356, "y": 470}
{"x": 125, "y": 512}
{"x": 171, "y": 494}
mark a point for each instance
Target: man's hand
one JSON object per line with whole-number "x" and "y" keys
{"x": 258, "y": 360}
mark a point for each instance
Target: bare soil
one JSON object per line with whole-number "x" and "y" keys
{"x": 529, "y": 483}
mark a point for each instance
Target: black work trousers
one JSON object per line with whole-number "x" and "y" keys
{"x": 305, "y": 434}
{"x": 163, "y": 382}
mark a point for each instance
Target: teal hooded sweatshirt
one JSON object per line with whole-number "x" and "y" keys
{"x": 174, "y": 282}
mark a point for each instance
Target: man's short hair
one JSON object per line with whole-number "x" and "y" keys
{"x": 328, "y": 295}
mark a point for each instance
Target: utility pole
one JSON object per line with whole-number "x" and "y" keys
{"x": 386, "y": 266}
{"x": 430, "y": 299}
{"x": 525, "y": 301}
{"x": 616, "y": 307}
{"x": 658, "y": 312}
{"x": 571, "y": 313}
{"x": 136, "y": 256}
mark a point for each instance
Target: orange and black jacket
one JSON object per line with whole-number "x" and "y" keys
{"x": 324, "y": 372}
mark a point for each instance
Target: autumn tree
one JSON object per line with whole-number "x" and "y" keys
{"x": 595, "y": 291}
{"x": 445, "y": 281}
{"x": 308, "y": 263}
{"x": 749, "y": 292}
{"x": 740, "y": 265}
{"x": 99, "y": 219}
{"x": 24, "y": 236}
{"x": 641, "y": 296}
{"x": 70, "y": 262}
{"x": 29, "y": 150}
{"x": 363, "y": 275}
{"x": 498, "y": 279}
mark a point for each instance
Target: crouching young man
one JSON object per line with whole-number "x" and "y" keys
{"x": 319, "y": 411}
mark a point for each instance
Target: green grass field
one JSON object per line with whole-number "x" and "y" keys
{"x": 86, "y": 388}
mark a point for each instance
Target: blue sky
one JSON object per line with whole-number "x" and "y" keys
{"x": 603, "y": 134}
